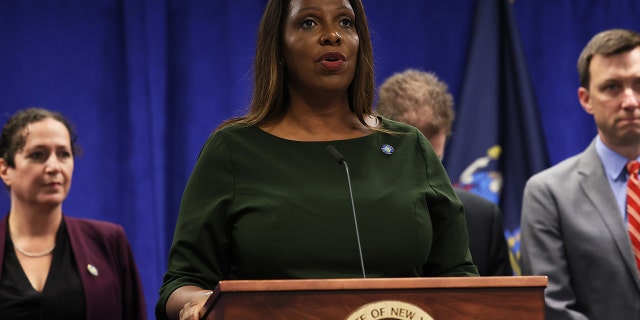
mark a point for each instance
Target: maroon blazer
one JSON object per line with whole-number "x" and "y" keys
{"x": 115, "y": 290}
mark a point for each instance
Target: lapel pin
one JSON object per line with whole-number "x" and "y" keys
{"x": 387, "y": 149}
{"x": 92, "y": 269}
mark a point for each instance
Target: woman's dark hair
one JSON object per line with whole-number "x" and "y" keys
{"x": 14, "y": 135}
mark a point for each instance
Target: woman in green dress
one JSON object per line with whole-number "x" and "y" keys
{"x": 265, "y": 199}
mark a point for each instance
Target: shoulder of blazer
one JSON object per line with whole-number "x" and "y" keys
{"x": 94, "y": 228}
{"x": 583, "y": 163}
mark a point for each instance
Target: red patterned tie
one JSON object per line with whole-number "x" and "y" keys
{"x": 633, "y": 209}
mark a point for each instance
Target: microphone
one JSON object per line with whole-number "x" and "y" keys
{"x": 339, "y": 158}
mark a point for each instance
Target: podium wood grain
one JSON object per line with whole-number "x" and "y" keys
{"x": 327, "y": 299}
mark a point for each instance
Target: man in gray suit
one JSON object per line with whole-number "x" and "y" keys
{"x": 573, "y": 222}
{"x": 420, "y": 99}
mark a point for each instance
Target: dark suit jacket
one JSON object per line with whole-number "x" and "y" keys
{"x": 487, "y": 243}
{"x": 116, "y": 292}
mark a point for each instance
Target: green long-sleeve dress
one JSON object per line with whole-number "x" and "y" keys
{"x": 261, "y": 207}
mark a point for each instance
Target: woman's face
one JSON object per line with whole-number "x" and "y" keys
{"x": 44, "y": 166}
{"x": 320, "y": 45}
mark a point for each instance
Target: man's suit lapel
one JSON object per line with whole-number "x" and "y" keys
{"x": 595, "y": 187}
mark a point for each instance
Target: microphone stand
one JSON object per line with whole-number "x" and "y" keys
{"x": 337, "y": 156}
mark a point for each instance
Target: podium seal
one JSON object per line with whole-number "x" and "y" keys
{"x": 389, "y": 310}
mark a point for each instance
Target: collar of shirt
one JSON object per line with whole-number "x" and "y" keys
{"x": 614, "y": 168}
{"x": 614, "y": 164}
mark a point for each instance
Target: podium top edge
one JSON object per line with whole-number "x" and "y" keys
{"x": 382, "y": 283}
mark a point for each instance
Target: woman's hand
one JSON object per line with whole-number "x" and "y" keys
{"x": 191, "y": 309}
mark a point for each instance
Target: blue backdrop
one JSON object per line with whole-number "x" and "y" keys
{"x": 146, "y": 81}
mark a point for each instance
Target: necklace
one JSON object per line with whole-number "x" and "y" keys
{"x": 34, "y": 255}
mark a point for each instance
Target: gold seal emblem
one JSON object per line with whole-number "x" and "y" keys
{"x": 389, "y": 310}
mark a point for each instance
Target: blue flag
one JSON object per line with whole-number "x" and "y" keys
{"x": 497, "y": 141}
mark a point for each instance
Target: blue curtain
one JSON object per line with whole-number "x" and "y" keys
{"x": 146, "y": 81}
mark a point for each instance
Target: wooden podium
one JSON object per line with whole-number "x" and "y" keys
{"x": 380, "y": 298}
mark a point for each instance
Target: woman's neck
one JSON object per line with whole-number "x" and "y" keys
{"x": 303, "y": 124}
{"x": 34, "y": 222}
